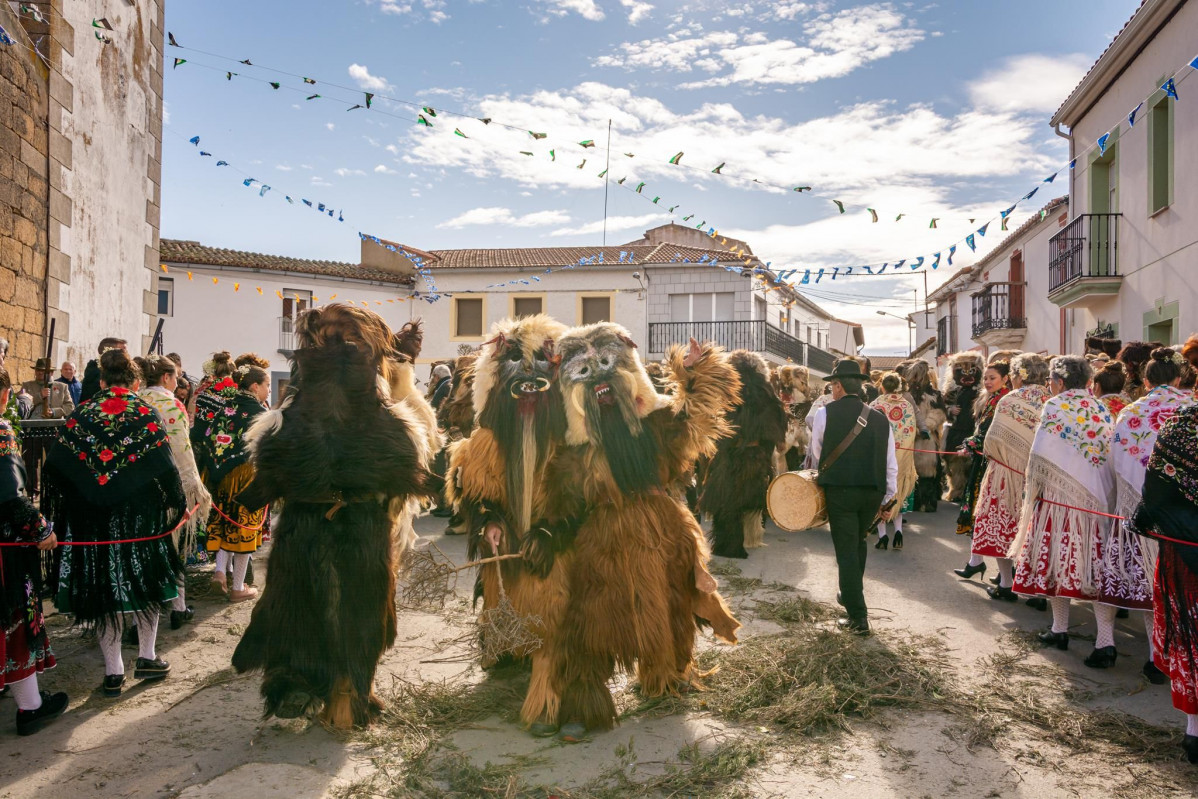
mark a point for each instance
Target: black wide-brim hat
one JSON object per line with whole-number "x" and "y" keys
{"x": 846, "y": 369}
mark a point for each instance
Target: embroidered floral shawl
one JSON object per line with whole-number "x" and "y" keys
{"x": 1136, "y": 430}
{"x": 1009, "y": 442}
{"x": 1069, "y": 463}
{"x": 221, "y": 429}
{"x": 1115, "y": 403}
{"x": 901, "y": 415}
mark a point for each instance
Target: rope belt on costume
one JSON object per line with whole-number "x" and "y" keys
{"x": 339, "y": 501}
{"x": 187, "y": 515}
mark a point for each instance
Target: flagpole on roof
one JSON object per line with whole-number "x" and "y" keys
{"x": 606, "y": 182}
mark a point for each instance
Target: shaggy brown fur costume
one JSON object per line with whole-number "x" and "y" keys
{"x": 792, "y": 384}
{"x": 740, "y": 473}
{"x": 638, "y": 581}
{"x": 498, "y": 482}
{"x": 964, "y": 387}
{"x": 344, "y": 462}
{"x": 456, "y": 414}
{"x": 930, "y": 417}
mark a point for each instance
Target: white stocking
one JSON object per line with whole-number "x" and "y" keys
{"x": 1192, "y": 724}
{"x": 222, "y": 561}
{"x": 898, "y": 523}
{"x": 976, "y": 560}
{"x": 1006, "y": 572}
{"x": 1104, "y": 617}
{"x": 1060, "y": 613}
{"x": 1148, "y": 629}
{"x": 110, "y": 645}
{"x": 26, "y": 694}
{"x": 881, "y": 529}
{"x": 241, "y": 562}
{"x": 147, "y": 633}
{"x": 179, "y": 603}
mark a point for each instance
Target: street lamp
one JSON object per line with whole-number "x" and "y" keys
{"x": 910, "y": 329}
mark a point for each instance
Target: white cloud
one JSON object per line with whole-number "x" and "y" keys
{"x": 330, "y": 126}
{"x": 793, "y": 10}
{"x": 505, "y": 216}
{"x": 614, "y": 224}
{"x": 309, "y": 167}
{"x": 1033, "y": 83}
{"x": 343, "y": 172}
{"x": 834, "y": 45}
{"x": 383, "y": 169}
{"x": 391, "y": 148}
{"x": 317, "y": 180}
{"x": 588, "y": 9}
{"x": 370, "y": 83}
{"x": 283, "y": 167}
{"x": 395, "y": 7}
{"x": 637, "y": 10}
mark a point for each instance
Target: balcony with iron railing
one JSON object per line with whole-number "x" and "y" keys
{"x": 1084, "y": 260}
{"x": 756, "y": 336}
{"x": 998, "y": 315}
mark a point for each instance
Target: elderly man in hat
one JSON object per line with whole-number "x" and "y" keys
{"x": 854, "y": 448}
{"x": 51, "y": 400}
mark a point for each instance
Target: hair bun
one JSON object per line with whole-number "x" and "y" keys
{"x": 222, "y": 357}
{"x": 1163, "y": 354}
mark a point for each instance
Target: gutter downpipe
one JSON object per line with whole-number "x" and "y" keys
{"x": 1056, "y": 128}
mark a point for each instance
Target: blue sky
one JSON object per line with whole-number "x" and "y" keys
{"x": 926, "y": 109}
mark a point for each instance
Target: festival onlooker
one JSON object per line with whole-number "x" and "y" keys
{"x": 996, "y": 384}
{"x": 51, "y": 400}
{"x": 24, "y": 647}
{"x": 177, "y": 360}
{"x": 1110, "y": 384}
{"x": 67, "y": 377}
{"x": 441, "y": 380}
{"x": 183, "y": 392}
{"x": 234, "y": 531}
{"x": 91, "y": 372}
{"x": 19, "y": 403}
{"x": 1129, "y": 562}
{"x": 111, "y": 478}
{"x": 892, "y": 403}
{"x": 1069, "y": 486}
{"x": 161, "y": 380}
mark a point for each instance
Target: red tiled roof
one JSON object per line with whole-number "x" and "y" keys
{"x": 192, "y": 252}
{"x": 536, "y": 257}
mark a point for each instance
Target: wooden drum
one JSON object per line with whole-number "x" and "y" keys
{"x": 795, "y": 502}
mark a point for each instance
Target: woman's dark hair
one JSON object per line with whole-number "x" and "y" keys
{"x": 1162, "y": 369}
{"x": 1134, "y": 355}
{"x": 1111, "y": 378}
{"x": 248, "y": 375}
{"x": 118, "y": 369}
{"x": 1072, "y": 370}
{"x": 1002, "y": 367}
{"x": 222, "y": 364}
{"x": 109, "y": 343}
{"x": 154, "y": 368}
{"x": 892, "y": 382}
{"x": 5, "y": 380}
{"x": 253, "y": 359}
{"x": 186, "y": 386}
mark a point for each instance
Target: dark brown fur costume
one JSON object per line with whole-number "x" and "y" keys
{"x": 456, "y": 414}
{"x": 930, "y": 417}
{"x": 345, "y": 463}
{"x": 964, "y": 387}
{"x": 498, "y": 476}
{"x": 638, "y": 582}
{"x": 792, "y": 384}
{"x": 741, "y": 471}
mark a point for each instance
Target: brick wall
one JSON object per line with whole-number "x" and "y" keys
{"x": 24, "y": 198}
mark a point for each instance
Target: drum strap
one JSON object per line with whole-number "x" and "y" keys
{"x": 862, "y": 421}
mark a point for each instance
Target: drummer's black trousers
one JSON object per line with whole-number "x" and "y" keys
{"x": 851, "y": 512}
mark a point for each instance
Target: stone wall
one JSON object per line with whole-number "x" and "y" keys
{"x": 24, "y": 197}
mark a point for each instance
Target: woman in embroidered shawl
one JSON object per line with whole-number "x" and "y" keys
{"x": 1069, "y": 481}
{"x": 901, "y": 415}
{"x": 234, "y": 531}
{"x": 111, "y": 477}
{"x": 996, "y": 383}
{"x": 1109, "y": 382}
{"x": 161, "y": 378}
{"x": 1007, "y": 446}
{"x": 24, "y": 647}
{"x": 1129, "y": 562}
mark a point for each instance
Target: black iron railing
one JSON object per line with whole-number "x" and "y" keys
{"x": 1087, "y": 247}
{"x": 757, "y": 336}
{"x": 999, "y": 306}
{"x": 944, "y": 336}
{"x": 286, "y": 335}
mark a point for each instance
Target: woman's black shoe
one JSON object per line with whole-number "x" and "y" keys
{"x": 898, "y": 539}
{"x": 1122, "y": 613}
{"x": 150, "y": 670}
{"x": 996, "y": 580}
{"x": 1038, "y": 602}
{"x": 113, "y": 683}
{"x": 1155, "y": 675}
{"x": 1059, "y": 640}
{"x": 1189, "y": 745}
{"x": 998, "y": 592}
{"x": 181, "y": 617}
{"x": 883, "y": 543}
{"x": 1101, "y": 658}
{"x": 970, "y": 571}
{"x": 30, "y": 721}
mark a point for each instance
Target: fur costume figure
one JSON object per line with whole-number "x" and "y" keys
{"x": 638, "y": 581}
{"x": 792, "y": 384}
{"x": 345, "y": 460}
{"x": 1106, "y": 346}
{"x": 930, "y": 417}
{"x": 456, "y": 415}
{"x": 962, "y": 391}
{"x": 741, "y": 471}
{"x": 498, "y": 482}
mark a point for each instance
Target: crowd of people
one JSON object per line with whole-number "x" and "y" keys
{"x": 1074, "y": 474}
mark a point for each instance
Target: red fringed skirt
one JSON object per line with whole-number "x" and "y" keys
{"x": 1175, "y": 627}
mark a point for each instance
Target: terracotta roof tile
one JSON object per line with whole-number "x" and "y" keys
{"x": 535, "y": 257}
{"x": 192, "y": 252}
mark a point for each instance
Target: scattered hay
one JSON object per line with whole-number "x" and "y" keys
{"x": 793, "y": 610}
{"x": 811, "y": 680}
{"x": 723, "y": 569}
{"x": 718, "y": 772}
{"x": 427, "y": 578}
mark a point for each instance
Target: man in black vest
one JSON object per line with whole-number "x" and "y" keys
{"x": 857, "y": 479}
